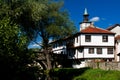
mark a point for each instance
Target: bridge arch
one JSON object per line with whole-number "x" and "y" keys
{"x": 42, "y": 64}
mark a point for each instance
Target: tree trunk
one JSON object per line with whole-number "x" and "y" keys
{"x": 48, "y": 59}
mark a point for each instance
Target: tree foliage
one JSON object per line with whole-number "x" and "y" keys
{"x": 14, "y": 55}
{"x": 45, "y": 18}
{"x": 30, "y": 19}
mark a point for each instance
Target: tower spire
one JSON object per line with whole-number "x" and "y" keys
{"x": 85, "y": 12}
{"x": 85, "y": 15}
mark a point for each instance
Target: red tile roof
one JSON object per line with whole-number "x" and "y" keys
{"x": 117, "y": 37}
{"x": 95, "y": 30}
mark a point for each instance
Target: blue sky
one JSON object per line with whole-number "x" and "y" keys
{"x": 104, "y": 13}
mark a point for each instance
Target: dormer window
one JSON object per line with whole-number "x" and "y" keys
{"x": 105, "y": 38}
{"x": 87, "y": 38}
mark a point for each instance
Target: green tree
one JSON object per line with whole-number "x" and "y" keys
{"x": 14, "y": 55}
{"x": 50, "y": 22}
{"x": 44, "y": 18}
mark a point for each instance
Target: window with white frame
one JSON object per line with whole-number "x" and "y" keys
{"x": 99, "y": 50}
{"x": 105, "y": 38}
{"x": 87, "y": 38}
{"x": 91, "y": 50}
{"x": 110, "y": 50}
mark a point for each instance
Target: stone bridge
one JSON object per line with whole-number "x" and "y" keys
{"x": 41, "y": 61}
{"x": 56, "y": 60}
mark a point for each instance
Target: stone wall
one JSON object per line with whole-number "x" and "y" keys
{"x": 104, "y": 65}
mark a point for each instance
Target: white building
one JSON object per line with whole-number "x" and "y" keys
{"x": 90, "y": 44}
{"x": 116, "y": 29}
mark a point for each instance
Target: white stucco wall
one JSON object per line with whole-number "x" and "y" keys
{"x": 81, "y": 65}
{"x": 59, "y": 49}
{"x": 118, "y": 46}
{"x": 86, "y": 54}
{"x": 118, "y": 50}
{"x": 78, "y": 54}
{"x": 79, "y": 40}
{"x": 116, "y": 30}
{"x": 95, "y": 55}
{"x": 96, "y": 40}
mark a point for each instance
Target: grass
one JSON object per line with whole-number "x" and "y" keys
{"x": 98, "y": 74}
{"x": 83, "y": 74}
{"x": 66, "y": 73}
